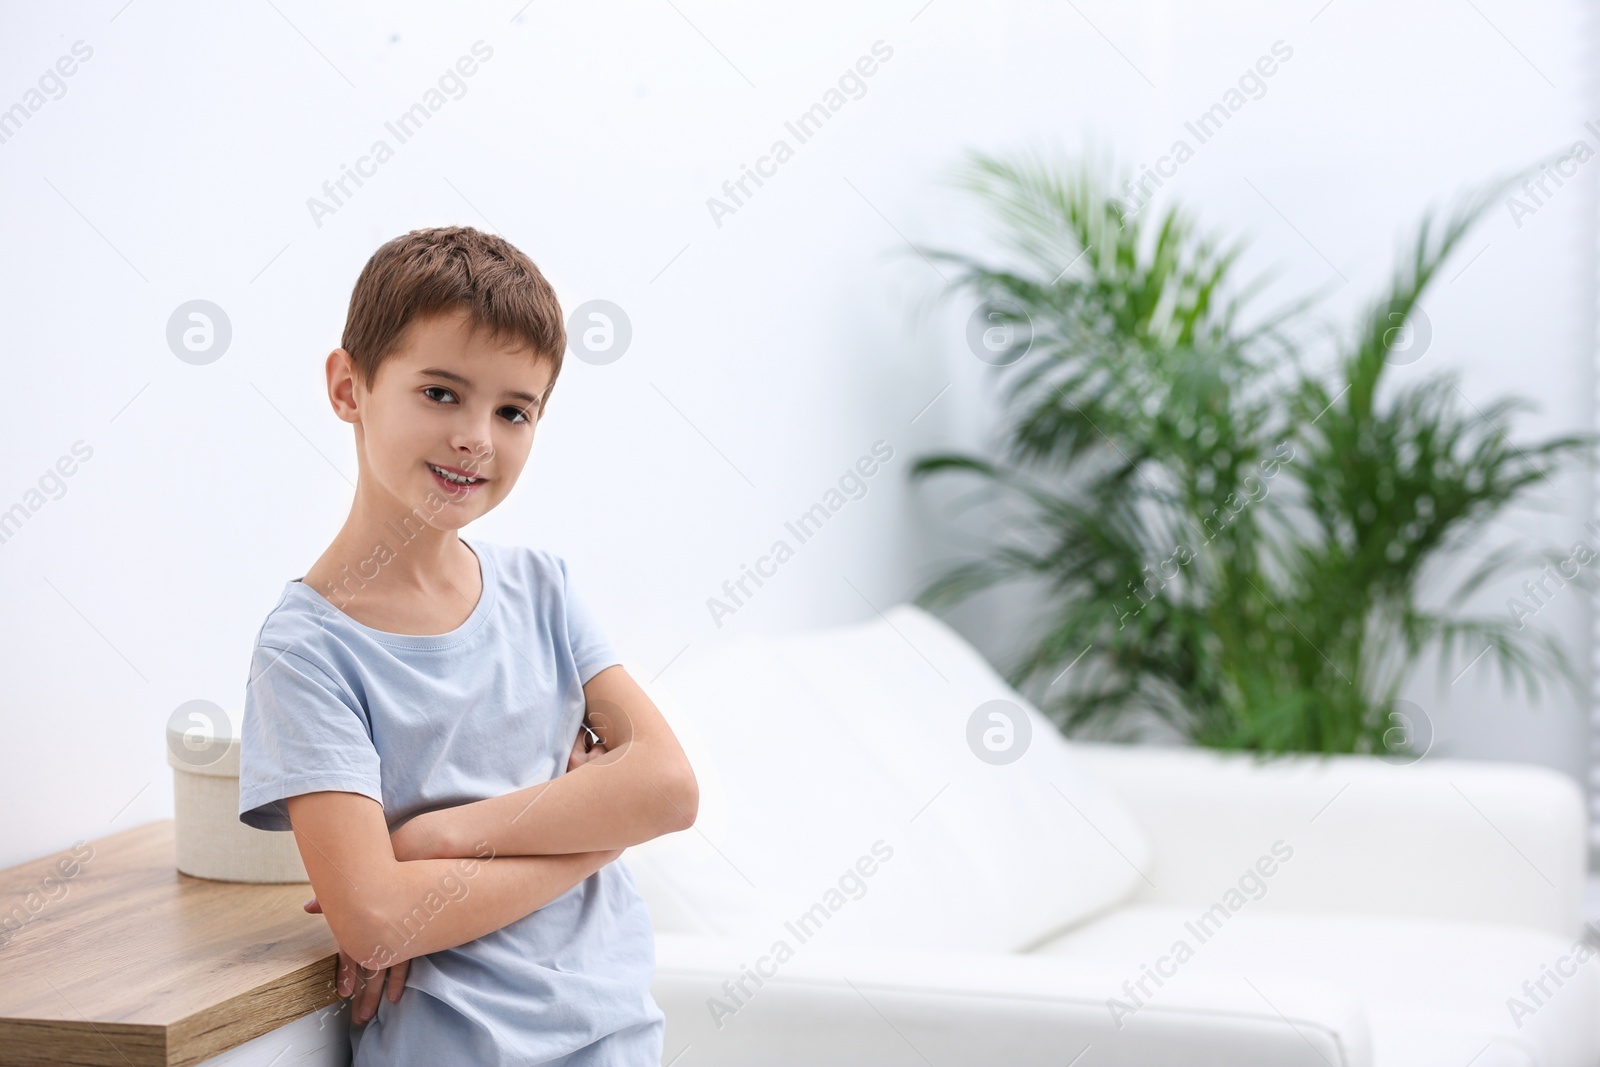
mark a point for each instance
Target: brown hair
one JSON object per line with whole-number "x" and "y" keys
{"x": 442, "y": 269}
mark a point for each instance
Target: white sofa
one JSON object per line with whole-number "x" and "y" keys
{"x": 862, "y": 888}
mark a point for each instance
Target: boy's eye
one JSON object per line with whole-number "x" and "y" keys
{"x": 513, "y": 415}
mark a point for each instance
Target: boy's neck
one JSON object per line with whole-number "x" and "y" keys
{"x": 398, "y": 577}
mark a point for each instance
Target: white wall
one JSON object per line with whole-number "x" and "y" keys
{"x": 769, "y": 353}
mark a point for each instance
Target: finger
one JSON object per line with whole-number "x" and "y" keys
{"x": 313, "y": 907}
{"x": 397, "y": 979}
{"x": 357, "y": 976}
{"x": 366, "y": 1002}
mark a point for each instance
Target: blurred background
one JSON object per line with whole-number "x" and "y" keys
{"x": 772, "y": 336}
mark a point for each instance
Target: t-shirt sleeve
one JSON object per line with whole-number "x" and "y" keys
{"x": 591, "y": 650}
{"x": 303, "y": 732}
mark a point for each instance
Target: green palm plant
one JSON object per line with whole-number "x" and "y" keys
{"x": 1225, "y": 539}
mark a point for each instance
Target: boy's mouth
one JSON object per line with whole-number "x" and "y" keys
{"x": 454, "y": 479}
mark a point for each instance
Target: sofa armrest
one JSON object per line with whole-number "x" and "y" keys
{"x": 1493, "y": 842}
{"x": 851, "y": 1005}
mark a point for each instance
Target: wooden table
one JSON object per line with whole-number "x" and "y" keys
{"x": 108, "y": 955}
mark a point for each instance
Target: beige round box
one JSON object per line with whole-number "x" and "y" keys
{"x": 203, "y": 750}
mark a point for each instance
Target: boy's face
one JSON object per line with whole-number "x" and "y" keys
{"x": 450, "y": 397}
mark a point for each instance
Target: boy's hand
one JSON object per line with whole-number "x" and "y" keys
{"x": 365, "y": 987}
{"x": 582, "y": 752}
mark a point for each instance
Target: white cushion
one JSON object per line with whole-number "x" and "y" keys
{"x": 1436, "y": 992}
{"x": 854, "y": 1005}
{"x": 1444, "y": 838}
{"x": 812, "y": 749}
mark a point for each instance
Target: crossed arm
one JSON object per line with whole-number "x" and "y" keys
{"x": 454, "y": 875}
{"x": 640, "y": 788}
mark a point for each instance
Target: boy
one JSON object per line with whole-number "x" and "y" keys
{"x": 423, "y": 709}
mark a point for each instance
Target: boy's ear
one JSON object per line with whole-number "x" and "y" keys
{"x": 341, "y": 370}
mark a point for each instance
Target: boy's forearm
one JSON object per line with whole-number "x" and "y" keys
{"x": 435, "y": 904}
{"x": 622, "y": 798}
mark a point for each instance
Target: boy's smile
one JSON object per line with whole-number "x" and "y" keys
{"x": 454, "y": 478}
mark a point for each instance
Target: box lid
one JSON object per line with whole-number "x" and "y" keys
{"x": 203, "y": 738}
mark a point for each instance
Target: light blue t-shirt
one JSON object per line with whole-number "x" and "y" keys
{"x": 426, "y": 722}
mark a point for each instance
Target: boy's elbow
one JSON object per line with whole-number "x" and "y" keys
{"x": 685, "y": 799}
{"x": 362, "y": 928}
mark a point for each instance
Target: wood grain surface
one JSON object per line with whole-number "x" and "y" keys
{"x": 110, "y": 956}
